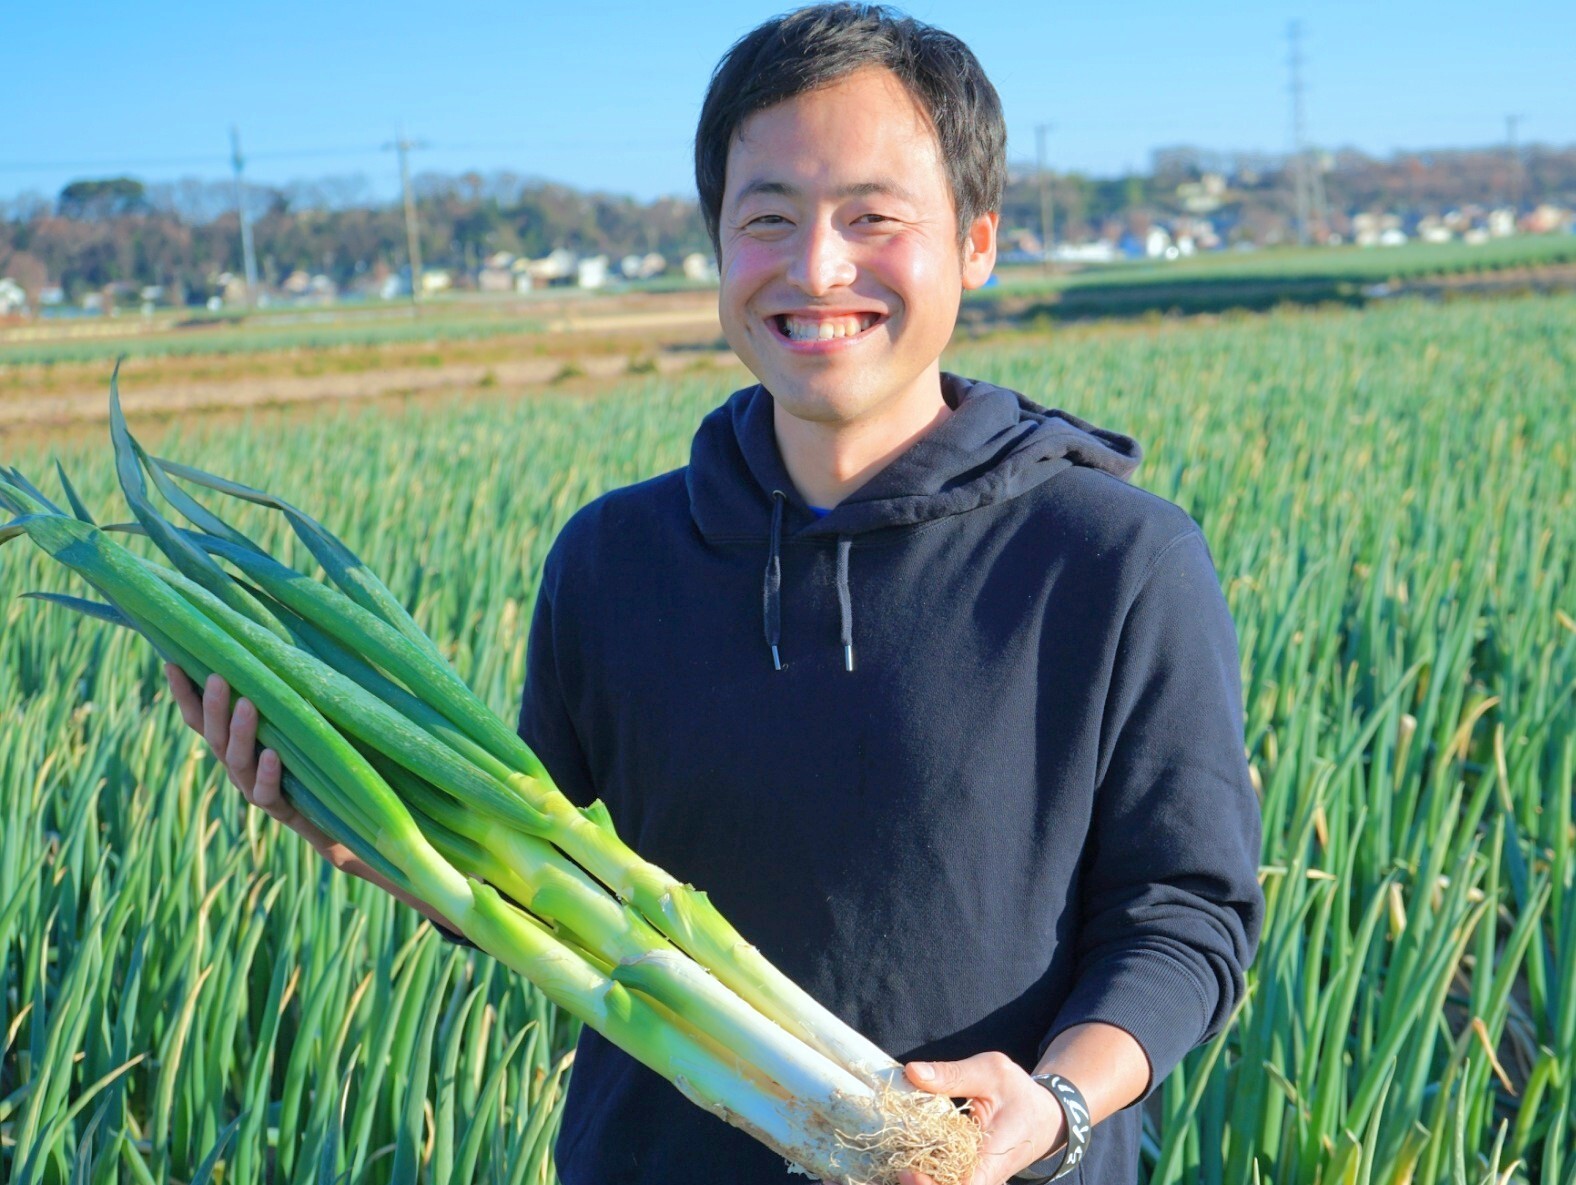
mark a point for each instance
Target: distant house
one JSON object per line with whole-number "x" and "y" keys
{"x": 591, "y": 272}
{"x": 1099, "y": 251}
{"x": 1370, "y": 229}
{"x": 1549, "y": 219}
{"x": 556, "y": 268}
{"x": 1203, "y": 196}
{"x": 497, "y": 273}
{"x": 12, "y": 298}
{"x": 232, "y": 288}
{"x": 642, "y": 267}
{"x": 698, "y": 267}
{"x": 310, "y": 288}
{"x": 492, "y": 279}
{"x": 1021, "y": 244}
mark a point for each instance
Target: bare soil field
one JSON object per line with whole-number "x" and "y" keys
{"x": 603, "y": 341}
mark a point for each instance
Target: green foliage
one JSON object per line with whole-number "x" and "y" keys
{"x": 305, "y": 334}
{"x": 1260, "y": 280}
{"x": 1391, "y": 500}
{"x": 95, "y": 201}
{"x": 1263, "y": 279}
{"x": 1358, "y": 264}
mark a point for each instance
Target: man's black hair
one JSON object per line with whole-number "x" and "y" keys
{"x": 812, "y": 47}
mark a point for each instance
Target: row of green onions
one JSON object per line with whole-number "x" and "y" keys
{"x": 387, "y": 751}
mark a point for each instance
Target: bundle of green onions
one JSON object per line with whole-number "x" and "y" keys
{"x": 389, "y": 752}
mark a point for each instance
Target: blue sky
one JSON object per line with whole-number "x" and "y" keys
{"x": 605, "y": 95}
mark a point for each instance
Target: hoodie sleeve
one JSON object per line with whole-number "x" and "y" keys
{"x": 545, "y": 724}
{"x": 1171, "y": 906}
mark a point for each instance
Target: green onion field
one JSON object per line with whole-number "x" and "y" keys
{"x": 187, "y": 994}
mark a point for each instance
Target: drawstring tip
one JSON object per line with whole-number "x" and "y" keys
{"x": 848, "y": 657}
{"x": 777, "y": 663}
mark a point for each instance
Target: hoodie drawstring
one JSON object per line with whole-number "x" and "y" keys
{"x": 772, "y": 585}
{"x": 845, "y": 601}
{"x": 771, "y": 590}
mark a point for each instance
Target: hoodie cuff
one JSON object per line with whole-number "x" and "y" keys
{"x": 453, "y": 936}
{"x": 1151, "y": 996}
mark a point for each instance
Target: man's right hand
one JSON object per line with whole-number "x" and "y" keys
{"x": 232, "y": 735}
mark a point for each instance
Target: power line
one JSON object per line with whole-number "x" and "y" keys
{"x": 68, "y": 165}
{"x": 350, "y": 150}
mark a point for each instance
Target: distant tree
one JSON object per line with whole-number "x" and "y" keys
{"x": 26, "y": 269}
{"x": 1073, "y": 196}
{"x": 184, "y": 234}
{"x": 100, "y": 200}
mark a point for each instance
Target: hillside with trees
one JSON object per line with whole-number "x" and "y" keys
{"x": 118, "y": 233}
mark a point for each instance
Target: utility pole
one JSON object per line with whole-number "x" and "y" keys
{"x": 1511, "y": 123}
{"x": 412, "y": 236}
{"x": 1302, "y": 182}
{"x": 248, "y": 251}
{"x": 1047, "y": 223}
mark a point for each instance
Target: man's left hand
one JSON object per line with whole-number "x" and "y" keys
{"x": 1021, "y": 1120}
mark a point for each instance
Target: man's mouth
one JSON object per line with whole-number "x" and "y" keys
{"x": 827, "y": 328}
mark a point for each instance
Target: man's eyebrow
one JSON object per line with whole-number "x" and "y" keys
{"x": 855, "y": 189}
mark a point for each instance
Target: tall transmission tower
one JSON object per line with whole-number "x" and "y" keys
{"x": 412, "y": 234}
{"x": 248, "y": 251}
{"x": 1307, "y": 179}
{"x": 1047, "y": 213}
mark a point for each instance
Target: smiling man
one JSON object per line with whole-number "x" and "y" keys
{"x": 942, "y": 713}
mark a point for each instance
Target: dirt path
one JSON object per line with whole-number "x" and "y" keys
{"x": 173, "y": 398}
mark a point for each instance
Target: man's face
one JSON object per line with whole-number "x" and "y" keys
{"x": 840, "y": 264}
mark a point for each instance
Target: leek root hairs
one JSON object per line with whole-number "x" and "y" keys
{"x": 923, "y": 1133}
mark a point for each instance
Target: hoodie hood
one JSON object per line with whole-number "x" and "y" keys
{"x": 996, "y": 445}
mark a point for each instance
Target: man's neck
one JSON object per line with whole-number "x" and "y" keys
{"x": 828, "y": 461}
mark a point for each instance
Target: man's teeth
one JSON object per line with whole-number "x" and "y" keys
{"x": 825, "y": 328}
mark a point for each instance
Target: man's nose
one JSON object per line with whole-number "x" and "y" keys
{"x": 822, "y": 262}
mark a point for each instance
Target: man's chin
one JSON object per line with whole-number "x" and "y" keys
{"x": 833, "y": 405}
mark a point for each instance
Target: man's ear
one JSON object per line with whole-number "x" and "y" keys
{"x": 979, "y": 250}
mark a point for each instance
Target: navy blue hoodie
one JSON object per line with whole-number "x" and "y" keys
{"x": 963, "y": 757}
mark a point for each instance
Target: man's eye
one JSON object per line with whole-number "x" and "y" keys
{"x": 767, "y": 220}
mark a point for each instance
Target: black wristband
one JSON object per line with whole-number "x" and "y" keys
{"x": 1076, "y": 1112}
